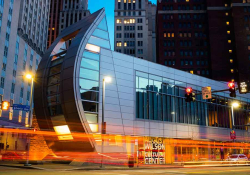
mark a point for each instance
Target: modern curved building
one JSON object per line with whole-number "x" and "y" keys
{"x": 144, "y": 99}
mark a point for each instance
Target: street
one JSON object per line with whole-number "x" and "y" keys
{"x": 171, "y": 171}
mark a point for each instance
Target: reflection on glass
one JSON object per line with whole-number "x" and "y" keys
{"x": 143, "y": 83}
{"x": 91, "y": 118}
{"x": 90, "y": 106}
{"x": 99, "y": 42}
{"x": 53, "y": 89}
{"x": 90, "y": 64}
{"x": 93, "y": 48}
{"x": 88, "y": 84}
{"x": 101, "y": 34}
{"x": 89, "y": 95}
{"x": 53, "y": 100}
{"x": 89, "y": 74}
{"x": 55, "y": 110}
{"x": 54, "y": 79}
{"x": 55, "y": 69}
{"x": 103, "y": 24}
{"x": 91, "y": 55}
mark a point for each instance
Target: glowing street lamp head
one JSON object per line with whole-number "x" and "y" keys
{"x": 28, "y": 76}
{"x": 235, "y": 104}
{"x": 107, "y": 79}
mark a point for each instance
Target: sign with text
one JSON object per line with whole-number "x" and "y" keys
{"x": 21, "y": 107}
{"x": 244, "y": 87}
{"x": 233, "y": 134}
{"x": 206, "y": 93}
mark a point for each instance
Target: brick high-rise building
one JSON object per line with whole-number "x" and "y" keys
{"x": 135, "y": 28}
{"x": 64, "y": 13}
{"x": 206, "y": 37}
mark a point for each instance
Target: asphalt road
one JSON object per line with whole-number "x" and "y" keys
{"x": 175, "y": 171}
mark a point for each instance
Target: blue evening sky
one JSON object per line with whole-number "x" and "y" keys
{"x": 109, "y": 6}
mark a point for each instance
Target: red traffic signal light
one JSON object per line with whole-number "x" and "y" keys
{"x": 5, "y": 105}
{"x": 231, "y": 85}
{"x": 189, "y": 90}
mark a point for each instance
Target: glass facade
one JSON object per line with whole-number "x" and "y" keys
{"x": 159, "y": 98}
{"x": 90, "y": 73}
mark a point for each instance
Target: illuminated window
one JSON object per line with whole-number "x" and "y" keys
{"x": 172, "y": 34}
{"x": 225, "y": 5}
{"x": 165, "y": 35}
{"x": 229, "y": 41}
{"x": 129, "y": 21}
{"x": 118, "y": 0}
{"x": 187, "y": 0}
{"x": 0, "y": 112}
{"x": 125, "y": 1}
{"x": 20, "y": 117}
{"x": 180, "y": 34}
{"x": 231, "y": 60}
{"x": 125, "y": 44}
{"x": 227, "y": 23}
{"x": 53, "y": 28}
{"x": 232, "y": 71}
{"x": 230, "y": 51}
{"x": 248, "y": 47}
{"x": 93, "y": 48}
{"x": 228, "y": 32}
{"x": 226, "y": 14}
{"x": 11, "y": 115}
{"x": 169, "y": 34}
{"x": 118, "y": 21}
{"x": 192, "y": 72}
{"x": 118, "y": 44}
{"x": 27, "y": 118}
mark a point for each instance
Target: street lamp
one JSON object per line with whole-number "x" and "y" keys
{"x": 29, "y": 76}
{"x": 108, "y": 80}
{"x": 234, "y": 105}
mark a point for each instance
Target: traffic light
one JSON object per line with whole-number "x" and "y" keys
{"x": 232, "y": 89}
{"x": 190, "y": 95}
{"x": 5, "y": 105}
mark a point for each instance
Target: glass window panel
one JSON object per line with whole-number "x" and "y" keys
{"x": 91, "y": 55}
{"x": 181, "y": 84}
{"x": 89, "y": 74}
{"x": 89, "y": 95}
{"x": 150, "y": 85}
{"x": 103, "y": 24}
{"x": 155, "y": 77}
{"x": 55, "y": 79}
{"x": 53, "y": 100}
{"x": 143, "y": 83}
{"x": 57, "y": 61}
{"x": 101, "y": 34}
{"x": 150, "y": 105}
{"x": 53, "y": 89}
{"x": 56, "y": 69}
{"x": 168, "y": 81}
{"x": 88, "y": 84}
{"x": 90, "y": 64}
{"x": 91, "y": 118}
{"x": 55, "y": 110}
{"x": 157, "y": 86}
{"x": 90, "y": 106}
{"x": 141, "y": 74}
{"x": 99, "y": 42}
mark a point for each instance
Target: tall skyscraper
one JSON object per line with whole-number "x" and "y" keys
{"x": 64, "y": 13}
{"x": 23, "y": 38}
{"x": 135, "y": 28}
{"x": 206, "y": 37}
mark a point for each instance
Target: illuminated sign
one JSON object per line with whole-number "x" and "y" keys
{"x": 154, "y": 151}
{"x": 244, "y": 87}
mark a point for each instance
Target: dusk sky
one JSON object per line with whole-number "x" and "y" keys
{"x": 109, "y": 5}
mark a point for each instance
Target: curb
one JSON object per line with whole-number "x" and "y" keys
{"x": 23, "y": 167}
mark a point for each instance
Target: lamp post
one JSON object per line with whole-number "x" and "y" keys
{"x": 108, "y": 80}
{"x": 30, "y": 77}
{"x": 234, "y": 105}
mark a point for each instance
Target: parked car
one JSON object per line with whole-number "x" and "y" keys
{"x": 238, "y": 158}
{"x": 14, "y": 156}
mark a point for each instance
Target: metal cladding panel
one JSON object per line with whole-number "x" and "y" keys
{"x": 80, "y": 31}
